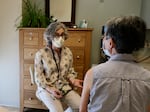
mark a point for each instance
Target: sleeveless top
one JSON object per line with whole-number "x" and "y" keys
{"x": 120, "y": 85}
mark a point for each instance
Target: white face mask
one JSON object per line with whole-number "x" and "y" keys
{"x": 58, "y": 42}
{"x": 106, "y": 51}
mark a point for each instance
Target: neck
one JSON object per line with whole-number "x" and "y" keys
{"x": 58, "y": 50}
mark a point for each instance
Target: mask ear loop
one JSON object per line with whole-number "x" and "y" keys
{"x": 106, "y": 51}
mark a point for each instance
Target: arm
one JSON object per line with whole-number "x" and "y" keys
{"x": 72, "y": 74}
{"x": 38, "y": 71}
{"x": 40, "y": 77}
{"x": 88, "y": 80}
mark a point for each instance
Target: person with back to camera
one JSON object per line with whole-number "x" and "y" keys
{"x": 120, "y": 84}
{"x": 54, "y": 73}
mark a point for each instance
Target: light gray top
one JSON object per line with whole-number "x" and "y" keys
{"x": 120, "y": 85}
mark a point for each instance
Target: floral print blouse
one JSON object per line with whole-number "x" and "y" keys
{"x": 52, "y": 71}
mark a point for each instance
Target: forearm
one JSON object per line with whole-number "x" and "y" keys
{"x": 86, "y": 91}
{"x": 38, "y": 71}
{"x": 83, "y": 108}
{"x": 39, "y": 80}
{"x": 72, "y": 80}
{"x": 84, "y": 102}
{"x": 71, "y": 73}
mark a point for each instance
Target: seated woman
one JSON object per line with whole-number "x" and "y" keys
{"x": 54, "y": 74}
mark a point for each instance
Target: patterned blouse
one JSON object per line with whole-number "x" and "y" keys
{"x": 52, "y": 71}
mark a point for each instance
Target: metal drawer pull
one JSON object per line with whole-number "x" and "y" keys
{"x": 79, "y": 40}
{"x": 30, "y": 98}
{"x": 78, "y": 57}
{"x": 31, "y": 54}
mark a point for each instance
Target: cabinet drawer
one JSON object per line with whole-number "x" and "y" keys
{"x": 31, "y": 101}
{"x": 26, "y": 68}
{"x": 78, "y": 56}
{"x": 31, "y": 38}
{"x": 76, "y": 40}
{"x": 44, "y": 43}
{"x": 28, "y": 85}
{"x": 29, "y": 53}
{"x": 30, "y": 98}
{"x": 79, "y": 70}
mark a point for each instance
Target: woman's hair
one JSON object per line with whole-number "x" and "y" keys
{"x": 127, "y": 32}
{"x": 50, "y": 31}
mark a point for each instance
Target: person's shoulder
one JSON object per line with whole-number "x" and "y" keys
{"x": 89, "y": 74}
{"x": 101, "y": 65}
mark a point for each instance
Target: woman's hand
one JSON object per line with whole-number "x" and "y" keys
{"x": 55, "y": 92}
{"x": 77, "y": 82}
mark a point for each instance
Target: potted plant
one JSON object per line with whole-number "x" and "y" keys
{"x": 32, "y": 16}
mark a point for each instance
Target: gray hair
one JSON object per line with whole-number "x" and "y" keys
{"x": 50, "y": 31}
{"x": 127, "y": 32}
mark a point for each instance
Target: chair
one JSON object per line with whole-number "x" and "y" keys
{"x": 31, "y": 70}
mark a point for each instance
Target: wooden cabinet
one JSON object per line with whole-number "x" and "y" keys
{"x": 31, "y": 40}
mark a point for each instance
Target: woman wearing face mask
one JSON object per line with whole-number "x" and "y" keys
{"x": 120, "y": 84}
{"x": 54, "y": 74}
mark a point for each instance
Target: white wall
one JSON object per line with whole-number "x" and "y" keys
{"x": 145, "y": 12}
{"x": 95, "y": 12}
{"x": 9, "y": 53}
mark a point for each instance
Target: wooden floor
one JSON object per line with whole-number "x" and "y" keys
{"x": 12, "y": 109}
{"x": 8, "y": 109}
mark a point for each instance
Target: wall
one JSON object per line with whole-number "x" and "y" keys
{"x": 9, "y": 53}
{"x": 146, "y": 16}
{"x": 145, "y": 12}
{"x": 95, "y": 12}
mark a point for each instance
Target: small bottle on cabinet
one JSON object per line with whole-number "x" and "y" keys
{"x": 83, "y": 24}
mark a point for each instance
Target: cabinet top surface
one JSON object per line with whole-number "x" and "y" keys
{"x": 70, "y": 29}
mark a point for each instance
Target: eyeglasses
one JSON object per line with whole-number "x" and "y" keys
{"x": 57, "y": 35}
{"x": 62, "y": 34}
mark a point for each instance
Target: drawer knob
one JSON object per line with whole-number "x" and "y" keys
{"x": 78, "y": 57}
{"x": 31, "y": 54}
{"x": 79, "y": 40}
{"x": 31, "y": 84}
{"x": 30, "y": 98}
{"x": 30, "y": 38}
